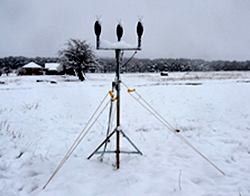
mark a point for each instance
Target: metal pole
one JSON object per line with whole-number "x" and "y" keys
{"x": 117, "y": 52}
{"x": 118, "y": 85}
{"x": 119, "y": 33}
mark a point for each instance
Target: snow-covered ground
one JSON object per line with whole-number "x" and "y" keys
{"x": 39, "y": 121}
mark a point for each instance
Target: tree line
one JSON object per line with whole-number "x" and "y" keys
{"x": 107, "y": 65}
{"x": 77, "y": 58}
{"x": 171, "y": 65}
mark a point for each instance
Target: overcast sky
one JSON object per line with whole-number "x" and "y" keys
{"x": 207, "y": 29}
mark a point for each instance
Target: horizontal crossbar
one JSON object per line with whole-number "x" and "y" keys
{"x": 124, "y": 152}
{"x": 100, "y": 48}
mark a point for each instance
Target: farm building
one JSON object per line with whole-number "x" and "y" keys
{"x": 32, "y": 69}
{"x": 52, "y": 68}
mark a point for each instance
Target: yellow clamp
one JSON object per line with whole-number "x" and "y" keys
{"x": 131, "y": 90}
{"x": 111, "y": 94}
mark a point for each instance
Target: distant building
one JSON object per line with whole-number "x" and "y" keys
{"x": 52, "y": 68}
{"x": 32, "y": 69}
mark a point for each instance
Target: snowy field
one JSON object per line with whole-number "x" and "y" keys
{"x": 39, "y": 121}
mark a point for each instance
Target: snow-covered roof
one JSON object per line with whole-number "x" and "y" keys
{"x": 32, "y": 65}
{"x": 52, "y": 66}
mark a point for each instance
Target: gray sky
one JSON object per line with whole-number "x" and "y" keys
{"x": 207, "y": 29}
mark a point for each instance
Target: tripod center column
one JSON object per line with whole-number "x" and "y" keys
{"x": 117, "y": 54}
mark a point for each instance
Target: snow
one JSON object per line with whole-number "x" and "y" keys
{"x": 104, "y": 44}
{"x": 40, "y": 121}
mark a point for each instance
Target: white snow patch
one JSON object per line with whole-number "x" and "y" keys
{"x": 117, "y": 45}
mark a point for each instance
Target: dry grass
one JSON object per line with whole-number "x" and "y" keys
{"x": 5, "y": 129}
{"x": 31, "y": 106}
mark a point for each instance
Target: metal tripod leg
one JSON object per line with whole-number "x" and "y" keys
{"x": 102, "y": 144}
{"x": 109, "y": 122}
{"x": 124, "y": 135}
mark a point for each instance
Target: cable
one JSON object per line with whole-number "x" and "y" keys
{"x": 78, "y": 139}
{"x": 170, "y": 127}
{"x": 129, "y": 59}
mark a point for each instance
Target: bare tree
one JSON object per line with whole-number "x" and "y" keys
{"x": 77, "y": 55}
